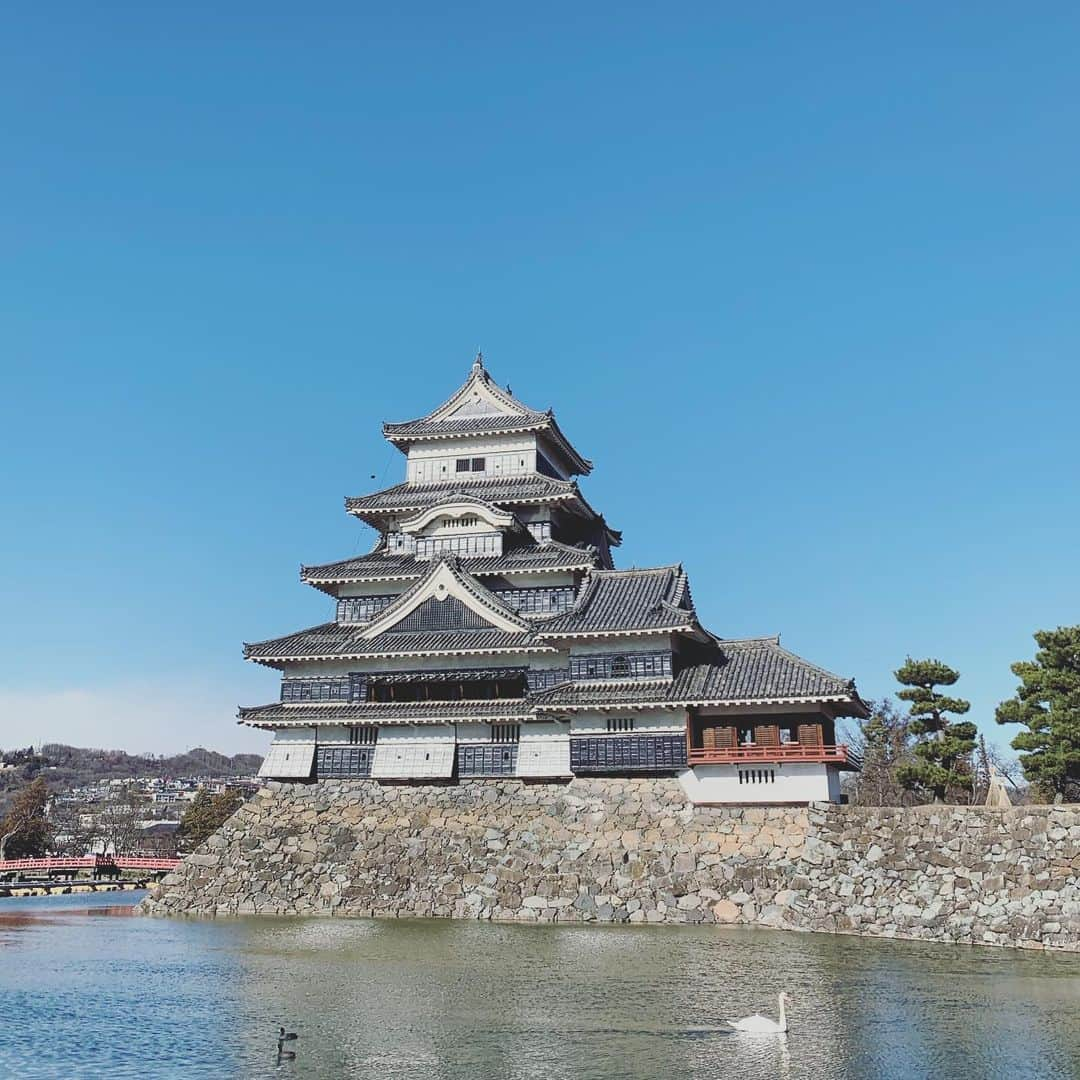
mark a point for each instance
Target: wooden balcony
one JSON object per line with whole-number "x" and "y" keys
{"x": 840, "y": 755}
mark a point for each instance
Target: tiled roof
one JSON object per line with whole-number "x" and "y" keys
{"x": 585, "y": 694}
{"x": 481, "y": 407}
{"x": 278, "y": 714}
{"x": 468, "y": 425}
{"x": 327, "y": 639}
{"x": 501, "y": 490}
{"x": 547, "y": 556}
{"x": 335, "y": 641}
{"x": 752, "y": 670}
{"x": 758, "y": 668}
{"x": 627, "y": 600}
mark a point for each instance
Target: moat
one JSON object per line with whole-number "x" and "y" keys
{"x": 126, "y": 997}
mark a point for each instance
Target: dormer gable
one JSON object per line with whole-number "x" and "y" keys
{"x": 480, "y": 395}
{"x": 480, "y": 408}
{"x": 458, "y": 511}
{"x": 473, "y": 605}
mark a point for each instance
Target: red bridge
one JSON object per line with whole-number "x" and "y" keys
{"x": 106, "y": 863}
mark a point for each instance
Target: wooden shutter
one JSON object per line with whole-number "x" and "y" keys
{"x": 767, "y": 734}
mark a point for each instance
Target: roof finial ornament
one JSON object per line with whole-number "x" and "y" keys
{"x": 478, "y": 363}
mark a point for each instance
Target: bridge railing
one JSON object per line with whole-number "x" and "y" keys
{"x": 89, "y": 862}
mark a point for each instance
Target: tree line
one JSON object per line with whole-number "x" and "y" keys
{"x": 929, "y": 755}
{"x": 28, "y": 831}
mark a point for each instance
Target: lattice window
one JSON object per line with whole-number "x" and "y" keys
{"x": 344, "y": 762}
{"x": 545, "y": 600}
{"x": 363, "y": 735}
{"x": 538, "y": 679}
{"x": 315, "y": 689}
{"x": 627, "y": 753}
{"x": 619, "y": 723}
{"x": 505, "y": 733}
{"x": 466, "y": 546}
{"x": 621, "y": 666}
{"x": 361, "y": 608}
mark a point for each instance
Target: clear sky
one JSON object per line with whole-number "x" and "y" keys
{"x": 804, "y": 285}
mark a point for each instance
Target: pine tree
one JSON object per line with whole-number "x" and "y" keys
{"x": 1047, "y": 703}
{"x": 206, "y": 814}
{"x": 943, "y": 747}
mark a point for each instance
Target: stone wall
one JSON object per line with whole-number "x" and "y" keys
{"x": 622, "y": 850}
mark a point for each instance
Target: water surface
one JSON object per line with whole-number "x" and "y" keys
{"x": 84, "y": 994}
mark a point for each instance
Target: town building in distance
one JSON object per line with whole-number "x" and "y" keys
{"x": 488, "y": 634}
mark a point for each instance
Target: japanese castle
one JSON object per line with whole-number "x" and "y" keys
{"x": 488, "y": 634}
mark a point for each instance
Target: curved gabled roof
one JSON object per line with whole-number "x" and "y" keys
{"x": 501, "y": 491}
{"x": 377, "y": 565}
{"x": 481, "y": 407}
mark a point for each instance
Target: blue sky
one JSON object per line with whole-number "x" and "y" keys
{"x": 803, "y": 285}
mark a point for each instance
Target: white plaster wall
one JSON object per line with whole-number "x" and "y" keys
{"x": 413, "y": 751}
{"x": 297, "y": 734}
{"x": 506, "y": 455}
{"x": 288, "y": 758}
{"x": 338, "y": 733}
{"x": 652, "y": 721}
{"x": 635, "y": 644}
{"x": 795, "y": 782}
{"x": 544, "y": 750}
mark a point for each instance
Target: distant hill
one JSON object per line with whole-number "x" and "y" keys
{"x": 65, "y": 767}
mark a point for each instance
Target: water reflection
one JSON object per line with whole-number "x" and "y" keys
{"x": 404, "y": 999}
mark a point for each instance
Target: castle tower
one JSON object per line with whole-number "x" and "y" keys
{"x": 487, "y": 634}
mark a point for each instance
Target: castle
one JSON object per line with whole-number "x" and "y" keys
{"x": 488, "y": 634}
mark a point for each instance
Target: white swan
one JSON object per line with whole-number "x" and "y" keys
{"x": 762, "y": 1025}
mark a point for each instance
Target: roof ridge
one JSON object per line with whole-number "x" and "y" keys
{"x": 773, "y": 639}
{"x": 608, "y": 572}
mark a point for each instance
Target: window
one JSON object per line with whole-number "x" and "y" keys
{"x": 757, "y": 776}
{"x": 505, "y": 733}
{"x": 544, "y": 678}
{"x": 746, "y": 735}
{"x": 315, "y": 689}
{"x": 464, "y": 464}
{"x": 786, "y": 736}
{"x": 541, "y": 600}
{"x": 361, "y": 608}
{"x": 465, "y": 545}
{"x": 365, "y": 735}
{"x": 621, "y": 666}
{"x": 620, "y": 724}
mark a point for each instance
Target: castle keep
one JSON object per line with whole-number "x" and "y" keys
{"x": 489, "y": 634}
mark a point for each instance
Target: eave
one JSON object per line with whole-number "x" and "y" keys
{"x": 525, "y": 648}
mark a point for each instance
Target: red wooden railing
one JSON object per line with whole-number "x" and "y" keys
{"x": 732, "y": 755}
{"x": 90, "y": 862}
